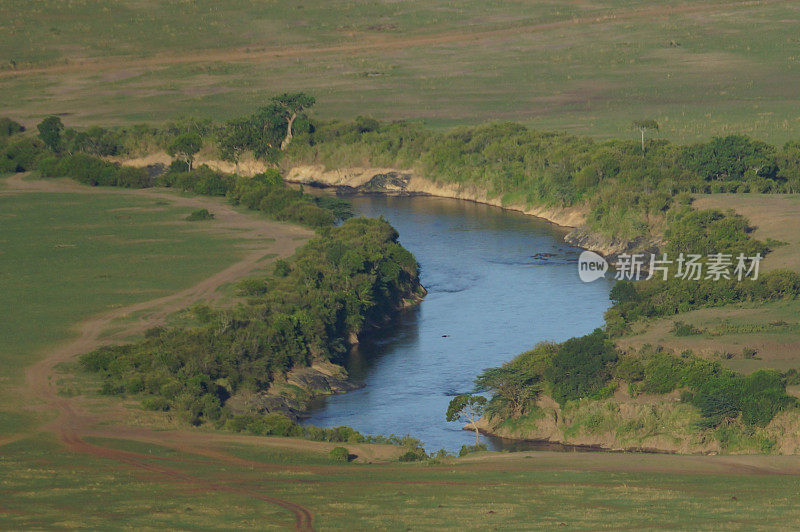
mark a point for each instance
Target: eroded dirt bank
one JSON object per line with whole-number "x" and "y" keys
{"x": 377, "y": 180}
{"x": 373, "y": 180}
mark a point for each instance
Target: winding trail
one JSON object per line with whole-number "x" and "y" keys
{"x": 267, "y": 241}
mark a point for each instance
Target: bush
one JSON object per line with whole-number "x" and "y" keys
{"x": 20, "y": 154}
{"x": 202, "y": 180}
{"x": 680, "y": 328}
{"x": 264, "y": 425}
{"x": 155, "y": 403}
{"x": 468, "y": 449}
{"x": 580, "y": 367}
{"x": 92, "y": 171}
{"x": 9, "y": 127}
{"x": 339, "y": 454}
{"x": 200, "y": 215}
{"x": 412, "y": 455}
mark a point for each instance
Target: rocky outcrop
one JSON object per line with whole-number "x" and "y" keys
{"x": 611, "y": 247}
{"x": 322, "y": 378}
{"x": 291, "y": 395}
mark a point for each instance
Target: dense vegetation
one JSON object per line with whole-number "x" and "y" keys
{"x": 350, "y": 278}
{"x": 703, "y": 233}
{"x": 64, "y": 152}
{"x": 628, "y": 192}
{"x": 560, "y": 371}
{"x": 591, "y": 368}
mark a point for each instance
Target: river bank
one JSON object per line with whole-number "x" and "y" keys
{"x": 392, "y": 181}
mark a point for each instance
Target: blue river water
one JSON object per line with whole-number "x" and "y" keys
{"x": 498, "y": 283}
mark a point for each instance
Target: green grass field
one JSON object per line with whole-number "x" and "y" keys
{"x": 522, "y": 491}
{"x": 772, "y": 329}
{"x": 724, "y": 333}
{"x": 66, "y": 257}
{"x": 700, "y": 68}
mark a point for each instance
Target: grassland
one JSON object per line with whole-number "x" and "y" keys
{"x": 66, "y": 257}
{"x": 699, "y": 68}
{"x": 71, "y": 252}
{"x": 731, "y": 333}
{"x": 523, "y": 490}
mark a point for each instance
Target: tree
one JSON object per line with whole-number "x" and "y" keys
{"x": 267, "y": 132}
{"x": 290, "y": 105}
{"x": 50, "y": 132}
{"x": 467, "y": 407}
{"x": 234, "y": 139}
{"x": 185, "y": 146}
{"x": 644, "y": 126}
{"x": 9, "y": 127}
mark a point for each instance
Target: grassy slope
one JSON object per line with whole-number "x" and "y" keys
{"x": 66, "y": 257}
{"x": 700, "y": 68}
{"x": 581, "y": 491}
{"x": 773, "y": 329}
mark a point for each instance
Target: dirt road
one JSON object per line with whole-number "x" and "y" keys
{"x": 266, "y": 241}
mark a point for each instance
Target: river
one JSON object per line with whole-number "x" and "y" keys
{"x": 498, "y": 283}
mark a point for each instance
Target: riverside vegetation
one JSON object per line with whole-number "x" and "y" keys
{"x": 628, "y": 191}
{"x": 586, "y": 390}
{"x": 350, "y": 278}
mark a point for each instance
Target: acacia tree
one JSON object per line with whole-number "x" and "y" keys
{"x": 290, "y": 106}
{"x": 467, "y": 407}
{"x": 644, "y": 126}
{"x": 185, "y": 146}
{"x": 50, "y": 132}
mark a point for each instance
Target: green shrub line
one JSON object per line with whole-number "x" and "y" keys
{"x": 590, "y": 367}
{"x": 721, "y": 395}
{"x": 350, "y": 278}
{"x": 628, "y": 193}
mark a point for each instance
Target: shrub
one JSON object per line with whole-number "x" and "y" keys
{"x": 155, "y": 403}
{"x": 339, "y": 454}
{"x": 412, "y": 455}
{"x": 680, "y": 328}
{"x": 20, "y": 154}
{"x": 9, "y": 127}
{"x": 282, "y": 268}
{"x": 580, "y": 367}
{"x": 92, "y": 171}
{"x": 264, "y": 425}
{"x": 468, "y": 449}
{"x": 200, "y": 215}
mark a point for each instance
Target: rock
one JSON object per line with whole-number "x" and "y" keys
{"x": 322, "y": 378}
